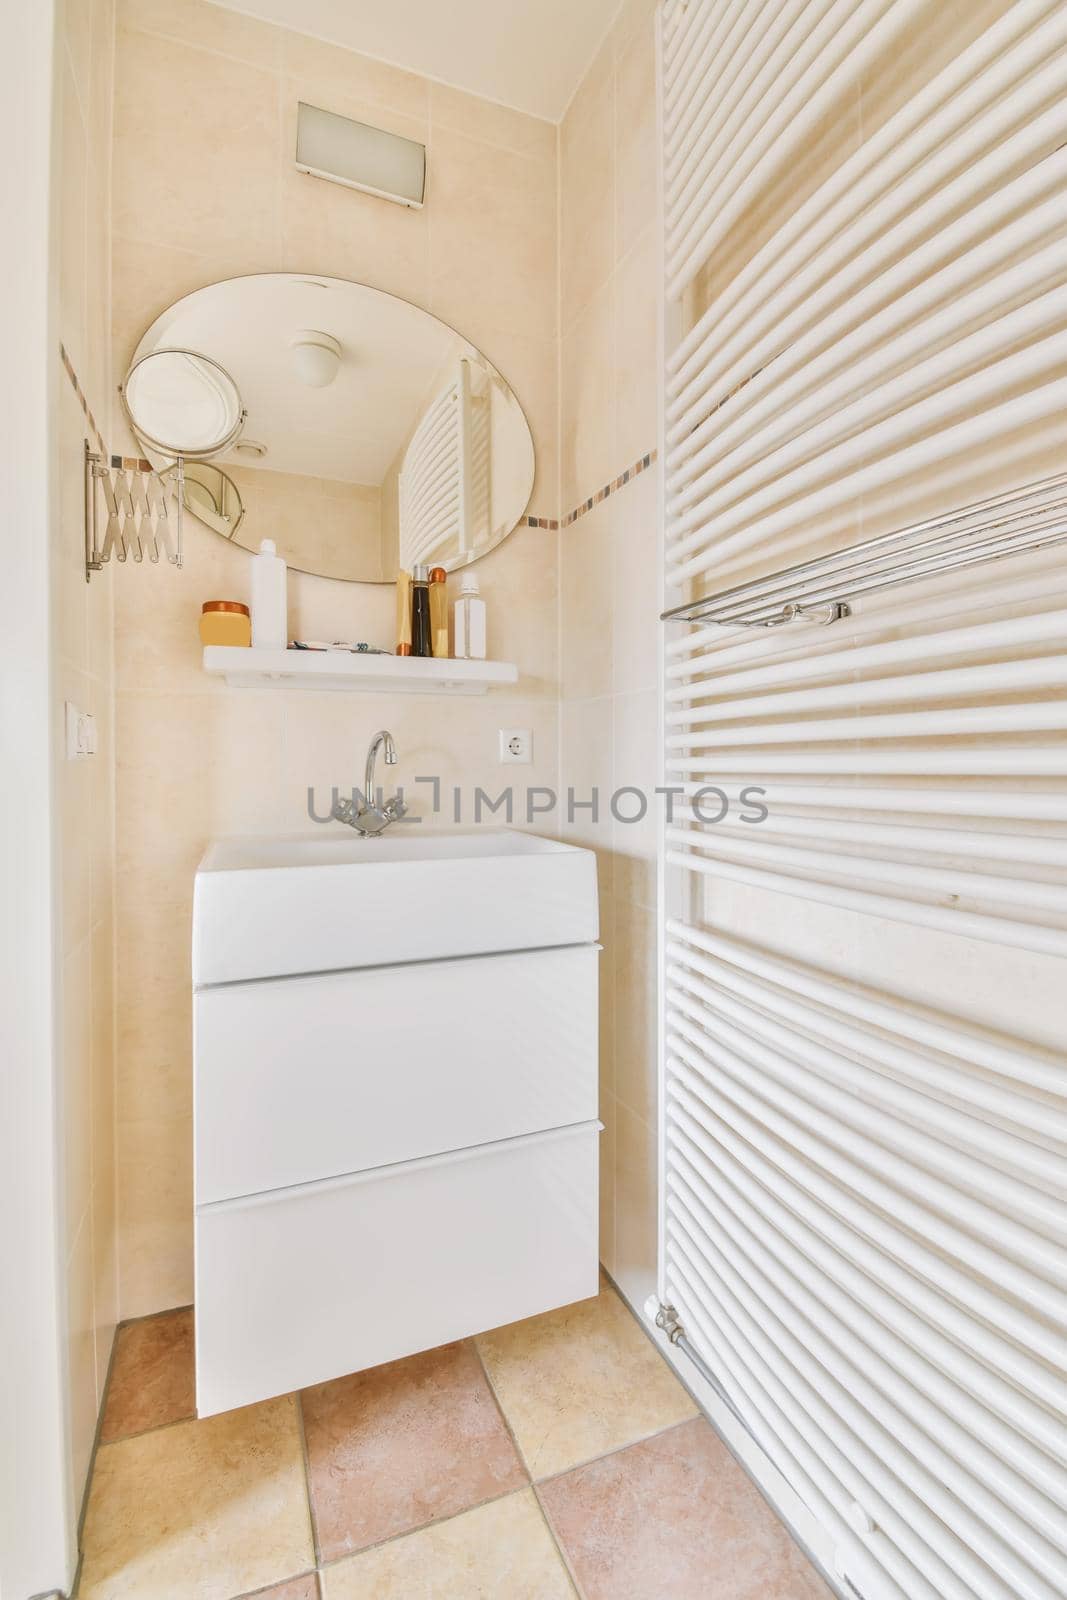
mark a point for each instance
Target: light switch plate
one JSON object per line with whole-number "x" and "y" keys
{"x": 516, "y": 747}
{"x": 80, "y": 730}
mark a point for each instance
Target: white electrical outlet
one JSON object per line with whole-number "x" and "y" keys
{"x": 516, "y": 746}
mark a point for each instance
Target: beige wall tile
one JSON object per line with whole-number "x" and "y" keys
{"x": 70, "y": 592}
{"x": 636, "y": 1079}
{"x": 155, "y": 1215}
{"x": 635, "y": 1204}
{"x": 587, "y": 763}
{"x": 586, "y": 580}
{"x": 635, "y": 830}
{"x": 345, "y": 74}
{"x": 608, "y": 380}
{"x": 329, "y": 229}
{"x": 587, "y": 400}
{"x": 494, "y": 124}
{"x": 220, "y": 187}
{"x": 636, "y": 583}
{"x": 607, "y": 1181}
{"x": 497, "y": 208}
{"x": 636, "y": 162}
{"x": 195, "y": 22}
{"x": 72, "y": 183}
{"x": 81, "y": 1355}
{"x": 636, "y": 348}
{"x": 587, "y": 188}
{"x": 77, "y": 1085}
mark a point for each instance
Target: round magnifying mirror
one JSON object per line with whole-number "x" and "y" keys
{"x": 211, "y": 495}
{"x": 182, "y": 404}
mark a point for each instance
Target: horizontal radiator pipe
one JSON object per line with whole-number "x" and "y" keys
{"x": 913, "y": 441}
{"x": 1041, "y": 1070}
{"x": 827, "y": 367}
{"x": 846, "y": 48}
{"x": 999, "y": 1248}
{"x": 886, "y": 1449}
{"x": 906, "y": 1061}
{"x": 1039, "y": 850}
{"x": 875, "y": 1562}
{"x": 1011, "y": 761}
{"x": 1011, "y": 1462}
{"x": 899, "y": 1447}
{"x": 855, "y": 1247}
{"x": 949, "y": 198}
{"x": 807, "y": 1440}
{"x": 966, "y": 97}
{"x": 921, "y": 880}
{"x": 995, "y": 677}
{"x": 908, "y": 369}
{"x": 692, "y": 151}
{"x": 947, "y": 1245}
{"x": 1013, "y": 1215}
{"x": 921, "y": 800}
{"x": 1031, "y": 1191}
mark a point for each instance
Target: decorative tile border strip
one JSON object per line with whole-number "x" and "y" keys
{"x": 139, "y": 464}
{"x": 613, "y": 487}
{"x": 68, "y": 367}
{"x": 594, "y": 499}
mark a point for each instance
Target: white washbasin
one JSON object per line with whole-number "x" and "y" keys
{"x": 269, "y": 907}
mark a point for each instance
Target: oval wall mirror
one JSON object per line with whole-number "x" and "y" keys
{"x": 374, "y": 436}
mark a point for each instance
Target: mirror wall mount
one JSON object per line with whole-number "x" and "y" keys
{"x": 142, "y": 518}
{"x": 209, "y": 493}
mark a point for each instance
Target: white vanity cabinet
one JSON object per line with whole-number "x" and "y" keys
{"x": 389, "y": 1156}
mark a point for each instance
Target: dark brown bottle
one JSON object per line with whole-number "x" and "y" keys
{"x": 421, "y": 627}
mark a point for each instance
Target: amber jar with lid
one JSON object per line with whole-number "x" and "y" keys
{"x": 225, "y": 622}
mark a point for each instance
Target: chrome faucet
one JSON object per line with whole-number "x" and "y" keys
{"x": 361, "y": 811}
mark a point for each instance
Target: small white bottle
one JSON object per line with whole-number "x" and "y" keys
{"x": 469, "y": 621}
{"x": 270, "y": 619}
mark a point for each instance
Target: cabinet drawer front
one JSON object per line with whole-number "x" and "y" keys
{"x": 299, "y": 1079}
{"x": 312, "y": 1283}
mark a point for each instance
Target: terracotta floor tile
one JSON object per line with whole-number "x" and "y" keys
{"x": 152, "y": 1375}
{"x": 500, "y": 1550}
{"x": 675, "y": 1515}
{"x": 402, "y": 1445}
{"x": 201, "y": 1511}
{"x": 580, "y": 1381}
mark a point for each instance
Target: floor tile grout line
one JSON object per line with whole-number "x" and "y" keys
{"x": 560, "y": 1546}
{"x": 616, "y": 1450}
{"x": 518, "y": 1450}
{"x": 505, "y": 1419}
{"x": 276, "y": 1583}
{"x": 305, "y": 1461}
{"x": 163, "y": 1428}
{"x": 435, "y": 1522}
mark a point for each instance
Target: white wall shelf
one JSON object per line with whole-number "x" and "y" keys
{"x": 369, "y": 674}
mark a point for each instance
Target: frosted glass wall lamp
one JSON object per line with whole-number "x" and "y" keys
{"x": 359, "y": 156}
